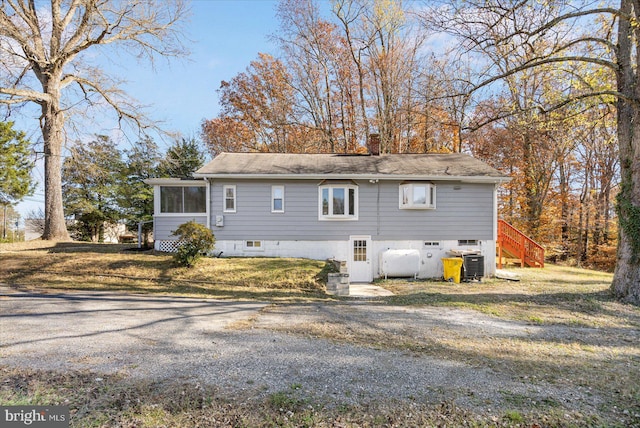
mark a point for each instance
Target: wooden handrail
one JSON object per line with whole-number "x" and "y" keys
{"x": 516, "y": 243}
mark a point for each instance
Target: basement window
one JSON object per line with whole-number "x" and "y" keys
{"x": 467, "y": 242}
{"x": 253, "y": 245}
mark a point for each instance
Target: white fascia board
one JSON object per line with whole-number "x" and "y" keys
{"x": 173, "y": 182}
{"x": 464, "y": 179}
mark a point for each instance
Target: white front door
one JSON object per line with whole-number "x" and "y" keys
{"x": 360, "y": 266}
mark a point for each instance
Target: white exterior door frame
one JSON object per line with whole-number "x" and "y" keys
{"x": 360, "y": 258}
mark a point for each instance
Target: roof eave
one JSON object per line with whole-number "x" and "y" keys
{"x": 462, "y": 178}
{"x": 172, "y": 181}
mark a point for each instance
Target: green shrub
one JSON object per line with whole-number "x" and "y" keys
{"x": 195, "y": 241}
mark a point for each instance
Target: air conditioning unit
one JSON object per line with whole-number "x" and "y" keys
{"x": 473, "y": 267}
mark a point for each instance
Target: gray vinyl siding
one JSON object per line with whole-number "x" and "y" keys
{"x": 165, "y": 225}
{"x": 466, "y": 213}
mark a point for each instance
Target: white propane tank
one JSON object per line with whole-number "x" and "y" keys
{"x": 400, "y": 263}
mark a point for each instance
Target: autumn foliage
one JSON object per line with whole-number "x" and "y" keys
{"x": 350, "y": 68}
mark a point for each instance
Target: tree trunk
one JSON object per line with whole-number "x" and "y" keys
{"x": 55, "y": 227}
{"x": 626, "y": 279}
{"x": 564, "y": 210}
{"x": 584, "y": 245}
{"x": 605, "y": 209}
{"x": 532, "y": 187}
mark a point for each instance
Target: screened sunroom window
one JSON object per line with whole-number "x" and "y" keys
{"x": 183, "y": 199}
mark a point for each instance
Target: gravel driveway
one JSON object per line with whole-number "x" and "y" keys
{"x": 178, "y": 338}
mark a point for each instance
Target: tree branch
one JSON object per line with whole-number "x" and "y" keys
{"x": 129, "y": 24}
{"x": 542, "y": 61}
{"x": 579, "y": 14}
{"x": 10, "y": 30}
{"x": 124, "y": 109}
{"x": 24, "y": 95}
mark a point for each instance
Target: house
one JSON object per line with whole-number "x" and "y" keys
{"x": 354, "y": 208}
{"x": 113, "y": 232}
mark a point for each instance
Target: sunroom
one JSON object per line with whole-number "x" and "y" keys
{"x": 177, "y": 201}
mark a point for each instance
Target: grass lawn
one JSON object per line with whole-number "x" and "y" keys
{"x": 585, "y": 341}
{"x": 553, "y": 295}
{"x": 40, "y": 265}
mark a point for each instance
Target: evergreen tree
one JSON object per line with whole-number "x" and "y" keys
{"x": 91, "y": 186}
{"x": 15, "y": 165}
{"x": 183, "y": 158}
{"x": 136, "y": 197}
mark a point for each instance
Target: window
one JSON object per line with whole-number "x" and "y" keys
{"x": 360, "y": 250}
{"x": 253, "y": 245}
{"x": 431, "y": 243}
{"x": 195, "y": 199}
{"x": 277, "y": 199}
{"x": 183, "y": 199}
{"x": 338, "y": 202}
{"x": 417, "y": 196}
{"x": 463, "y": 242}
{"x": 171, "y": 200}
{"x": 229, "y": 194}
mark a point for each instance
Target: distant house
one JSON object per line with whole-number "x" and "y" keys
{"x": 33, "y": 228}
{"x": 353, "y": 208}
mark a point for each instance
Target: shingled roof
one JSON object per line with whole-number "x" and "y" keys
{"x": 454, "y": 166}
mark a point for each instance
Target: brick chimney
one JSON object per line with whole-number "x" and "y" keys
{"x": 374, "y": 144}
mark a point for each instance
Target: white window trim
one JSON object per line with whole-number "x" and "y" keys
{"x": 224, "y": 198}
{"x": 343, "y": 217}
{"x": 157, "y": 200}
{"x": 273, "y": 199}
{"x": 431, "y": 191}
{"x": 185, "y": 215}
{"x": 247, "y": 247}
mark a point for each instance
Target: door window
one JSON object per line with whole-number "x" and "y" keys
{"x": 360, "y": 250}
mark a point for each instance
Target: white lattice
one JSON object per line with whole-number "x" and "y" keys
{"x": 169, "y": 246}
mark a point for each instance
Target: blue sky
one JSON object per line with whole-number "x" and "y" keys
{"x": 227, "y": 35}
{"x": 224, "y": 37}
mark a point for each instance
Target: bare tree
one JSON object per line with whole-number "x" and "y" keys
{"x": 34, "y": 222}
{"x": 308, "y": 43}
{"x": 604, "y": 36}
{"x": 386, "y": 54}
{"x": 45, "y": 59}
{"x": 349, "y": 13}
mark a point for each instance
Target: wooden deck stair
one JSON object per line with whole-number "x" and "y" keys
{"x": 515, "y": 245}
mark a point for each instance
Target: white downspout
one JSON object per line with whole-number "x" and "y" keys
{"x": 208, "y": 203}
